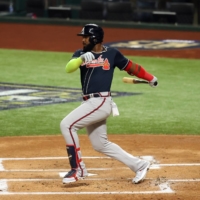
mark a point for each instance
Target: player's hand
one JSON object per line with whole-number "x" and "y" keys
{"x": 153, "y": 82}
{"x": 87, "y": 57}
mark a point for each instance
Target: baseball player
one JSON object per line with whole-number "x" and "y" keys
{"x": 97, "y": 63}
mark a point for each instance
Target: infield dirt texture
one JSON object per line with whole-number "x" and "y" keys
{"x": 32, "y": 167}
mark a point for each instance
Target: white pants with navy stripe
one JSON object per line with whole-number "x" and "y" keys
{"x": 92, "y": 115}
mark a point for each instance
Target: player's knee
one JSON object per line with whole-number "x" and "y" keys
{"x": 64, "y": 126}
{"x": 99, "y": 146}
{"x": 96, "y": 148}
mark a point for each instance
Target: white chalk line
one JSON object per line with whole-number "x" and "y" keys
{"x": 1, "y": 166}
{"x": 51, "y": 158}
{"x": 153, "y": 166}
{"x": 84, "y": 193}
{"x": 179, "y": 164}
{"x": 62, "y": 170}
{"x": 92, "y": 179}
{"x": 150, "y": 158}
{"x": 164, "y": 187}
{"x": 3, "y": 185}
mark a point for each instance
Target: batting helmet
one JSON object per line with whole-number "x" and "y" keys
{"x": 95, "y": 32}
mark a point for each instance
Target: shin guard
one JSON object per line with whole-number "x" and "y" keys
{"x": 72, "y": 155}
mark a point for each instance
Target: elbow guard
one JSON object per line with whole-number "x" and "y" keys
{"x": 139, "y": 71}
{"x": 128, "y": 66}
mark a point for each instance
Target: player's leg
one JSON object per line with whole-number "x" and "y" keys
{"x": 87, "y": 113}
{"x": 98, "y": 136}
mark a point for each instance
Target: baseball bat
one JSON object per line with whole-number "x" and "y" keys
{"x": 133, "y": 80}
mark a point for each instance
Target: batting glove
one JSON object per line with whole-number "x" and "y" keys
{"x": 154, "y": 82}
{"x": 87, "y": 57}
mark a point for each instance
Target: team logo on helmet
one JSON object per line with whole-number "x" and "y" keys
{"x": 83, "y": 30}
{"x": 91, "y": 31}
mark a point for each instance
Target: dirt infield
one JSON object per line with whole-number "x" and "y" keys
{"x": 32, "y": 172}
{"x": 32, "y": 167}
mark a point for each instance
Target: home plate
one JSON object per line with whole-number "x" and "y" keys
{"x": 62, "y": 174}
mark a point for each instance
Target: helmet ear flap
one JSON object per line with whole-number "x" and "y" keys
{"x": 93, "y": 40}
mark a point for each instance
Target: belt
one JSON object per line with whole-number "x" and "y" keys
{"x": 94, "y": 95}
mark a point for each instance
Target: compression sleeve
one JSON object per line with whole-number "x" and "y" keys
{"x": 73, "y": 65}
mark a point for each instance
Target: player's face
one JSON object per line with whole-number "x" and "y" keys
{"x": 87, "y": 46}
{"x": 85, "y": 41}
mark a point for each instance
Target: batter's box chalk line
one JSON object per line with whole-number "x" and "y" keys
{"x": 3, "y": 182}
{"x": 149, "y": 158}
{"x": 3, "y": 185}
{"x": 1, "y": 166}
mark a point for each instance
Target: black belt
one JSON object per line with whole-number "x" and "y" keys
{"x": 93, "y": 95}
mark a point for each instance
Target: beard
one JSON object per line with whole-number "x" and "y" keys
{"x": 88, "y": 47}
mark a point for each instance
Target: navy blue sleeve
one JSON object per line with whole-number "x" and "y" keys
{"x": 120, "y": 61}
{"x": 76, "y": 54}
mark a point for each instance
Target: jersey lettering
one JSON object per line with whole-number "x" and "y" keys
{"x": 103, "y": 65}
{"x": 99, "y": 62}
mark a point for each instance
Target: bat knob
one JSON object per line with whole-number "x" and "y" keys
{"x": 155, "y": 83}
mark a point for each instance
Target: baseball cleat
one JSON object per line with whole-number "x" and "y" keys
{"x": 73, "y": 175}
{"x": 141, "y": 173}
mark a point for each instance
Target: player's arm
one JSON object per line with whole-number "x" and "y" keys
{"x": 135, "y": 69}
{"x": 75, "y": 63}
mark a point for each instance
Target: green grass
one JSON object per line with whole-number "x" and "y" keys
{"x": 171, "y": 108}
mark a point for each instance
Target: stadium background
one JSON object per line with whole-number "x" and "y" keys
{"x": 21, "y": 30}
